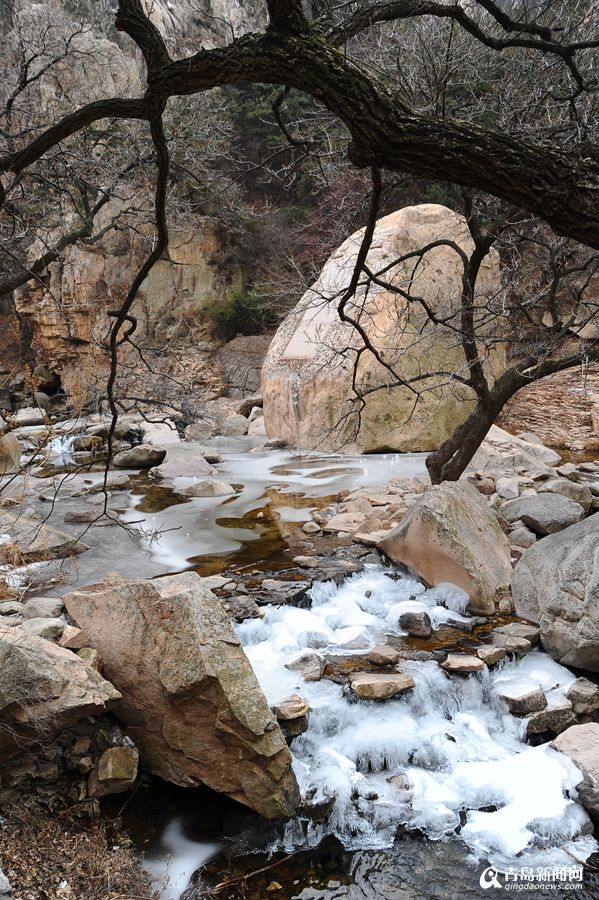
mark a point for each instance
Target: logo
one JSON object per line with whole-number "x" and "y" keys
{"x": 489, "y": 879}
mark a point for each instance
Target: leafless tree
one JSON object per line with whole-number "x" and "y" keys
{"x": 377, "y": 68}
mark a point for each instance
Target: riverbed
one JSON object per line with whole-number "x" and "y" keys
{"x": 428, "y": 790}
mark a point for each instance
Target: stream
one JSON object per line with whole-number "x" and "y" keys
{"x": 411, "y": 797}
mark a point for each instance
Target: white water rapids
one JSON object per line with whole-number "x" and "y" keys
{"x": 469, "y": 768}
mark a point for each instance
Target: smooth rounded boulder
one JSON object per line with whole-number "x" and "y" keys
{"x": 309, "y": 386}
{"x": 556, "y": 586}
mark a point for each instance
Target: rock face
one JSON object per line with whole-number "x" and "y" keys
{"x": 307, "y": 383}
{"x": 556, "y": 586}
{"x": 44, "y": 688}
{"x": 581, "y": 744}
{"x": 66, "y": 313}
{"x": 451, "y": 535}
{"x": 241, "y": 361}
{"x": 192, "y": 703}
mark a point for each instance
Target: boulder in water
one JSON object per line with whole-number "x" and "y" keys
{"x": 35, "y": 542}
{"x": 143, "y": 456}
{"x": 451, "y": 535}
{"x": 192, "y": 703}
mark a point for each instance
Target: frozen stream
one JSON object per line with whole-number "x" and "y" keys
{"x": 466, "y": 768}
{"x": 444, "y": 760}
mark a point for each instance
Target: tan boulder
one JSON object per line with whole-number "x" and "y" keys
{"x": 10, "y": 454}
{"x": 44, "y": 688}
{"x": 451, "y": 535}
{"x": 192, "y": 703}
{"x": 375, "y": 686}
{"x": 581, "y": 744}
{"x": 309, "y": 399}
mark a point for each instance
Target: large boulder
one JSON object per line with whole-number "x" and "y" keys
{"x": 44, "y": 688}
{"x": 308, "y": 373}
{"x": 10, "y": 454}
{"x": 544, "y": 513}
{"x": 502, "y": 452}
{"x": 192, "y": 703}
{"x": 451, "y": 535}
{"x": 33, "y": 541}
{"x": 556, "y": 586}
{"x": 581, "y": 744}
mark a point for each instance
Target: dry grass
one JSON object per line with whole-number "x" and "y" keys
{"x": 61, "y": 856}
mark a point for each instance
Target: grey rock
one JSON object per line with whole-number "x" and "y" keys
{"x": 572, "y": 489}
{"x": 50, "y": 629}
{"x": 209, "y": 488}
{"x": 519, "y": 630}
{"x": 235, "y": 425}
{"x": 523, "y": 537}
{"x": 416, "y": 624}
{"x": 584, "y": 697}
{"x": 43, "y": 607}
{"x": 143, "y": 456}
{"x": 308, "y": 663}
{"x": 545, "y": 513}
{"x": 556, "y": 586}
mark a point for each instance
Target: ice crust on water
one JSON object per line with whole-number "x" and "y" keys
{"x": 468, "y": 768}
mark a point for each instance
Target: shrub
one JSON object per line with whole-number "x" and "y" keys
{"x": 240, "y": 313}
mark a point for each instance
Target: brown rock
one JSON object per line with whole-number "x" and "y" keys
{"x": 192, "y": 704}
{"x": 73, "y": 638}
{"x": 384, "y": 655}
{"x": 116, "y": 772}
{"x": 308, "y": 376}
{"x": 375, "y": 686}
{"x": 491, "y": 655}
{"x": 462, "y": 664}
{"x": 511, "y": 643}
{"x": 525, "y": 704}
{"x": 581, "y": 744}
